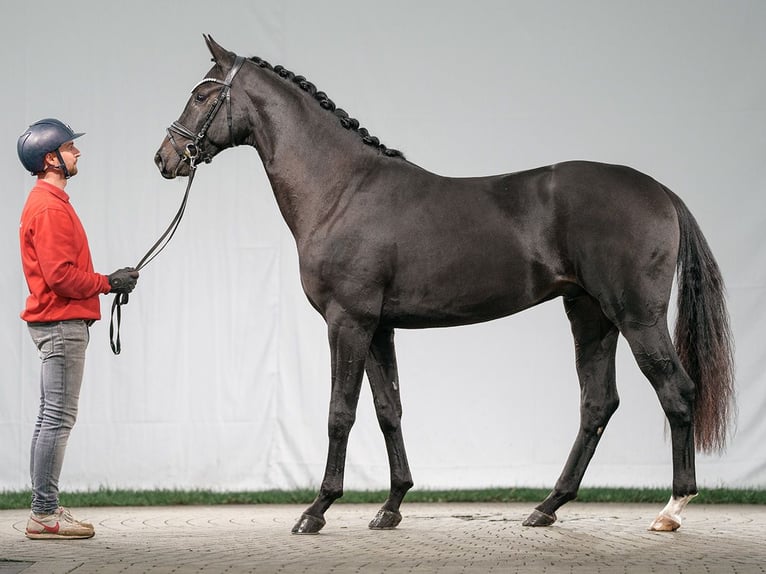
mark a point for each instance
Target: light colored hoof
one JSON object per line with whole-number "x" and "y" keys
{"x": 669, "y": 519}
{"x": 664, "y": 524}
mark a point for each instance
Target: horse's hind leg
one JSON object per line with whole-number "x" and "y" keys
{"x": 595, "y": 339}
{"x": 384, "y": 381}
{"x": 657, "y": 358}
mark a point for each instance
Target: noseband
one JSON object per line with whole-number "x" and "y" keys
{"x": 191, "y": 152}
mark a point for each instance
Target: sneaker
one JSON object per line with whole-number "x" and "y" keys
{"x": 59, "y": 525}
{"x": 68, "y": 514}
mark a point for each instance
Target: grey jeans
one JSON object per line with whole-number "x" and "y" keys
{"x": 61, "y": 346}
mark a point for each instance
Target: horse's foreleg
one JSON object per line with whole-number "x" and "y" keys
{"x": 348, "y": 349}
{"x": 595, "y": 346}
{"x": 658, "y": 360}
{"x": 384, "y": 381}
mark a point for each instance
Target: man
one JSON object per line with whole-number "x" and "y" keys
{"x": 63, "y": 302}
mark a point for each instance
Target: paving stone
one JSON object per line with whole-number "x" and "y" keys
{"x": 444, "y": 538}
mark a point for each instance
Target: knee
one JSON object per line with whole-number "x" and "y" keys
{"x": 340, "y": 424}
{"x": 389, "y": 419}
{"x": 69, "y": 415}
{"x": 595, "y": 415}
{"x": 56, "y": 417}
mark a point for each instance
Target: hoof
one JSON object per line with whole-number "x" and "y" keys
{"x": 308, "y": 525}
{"x": 385, "y": 520}
{"x": 664, "y": 524}
{"x": 538, "y": 518}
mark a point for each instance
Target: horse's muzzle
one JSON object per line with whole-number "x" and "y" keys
{"x": 167, "y": 171}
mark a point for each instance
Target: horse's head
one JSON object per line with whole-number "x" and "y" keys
{"x": 206, "y": 125}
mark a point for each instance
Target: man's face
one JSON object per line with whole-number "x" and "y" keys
{"x": 69, "y": 153}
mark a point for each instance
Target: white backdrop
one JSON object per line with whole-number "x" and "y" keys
{"x": 224, "y": 378}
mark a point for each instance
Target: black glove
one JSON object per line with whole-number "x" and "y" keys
{"x": 123, "y": 280}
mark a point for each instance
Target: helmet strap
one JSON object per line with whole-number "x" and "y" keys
{"x": 62, "y": 165}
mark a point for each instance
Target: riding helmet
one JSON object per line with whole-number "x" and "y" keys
{"x": 42, "y": 137}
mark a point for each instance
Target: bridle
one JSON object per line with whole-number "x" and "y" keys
{"x": 191, "y": 154}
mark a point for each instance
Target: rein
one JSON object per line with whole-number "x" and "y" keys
{"x": 121, "y": 299}
{"x": 190, "y": 154}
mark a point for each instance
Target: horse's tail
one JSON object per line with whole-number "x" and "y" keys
{"x": 703, "y": 339}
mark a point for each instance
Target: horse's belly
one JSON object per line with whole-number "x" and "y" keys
{"x": 466, "y": 298}
{"x": 424, "y": 319}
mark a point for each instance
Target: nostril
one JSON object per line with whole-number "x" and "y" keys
{"x": 160, "y": 163}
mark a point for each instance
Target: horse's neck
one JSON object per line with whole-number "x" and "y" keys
{"x": 309, "y": 158}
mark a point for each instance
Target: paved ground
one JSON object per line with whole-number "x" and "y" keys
{"x": 444, "y": 538}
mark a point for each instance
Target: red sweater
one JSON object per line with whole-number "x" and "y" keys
{"x": 56, "y": 260}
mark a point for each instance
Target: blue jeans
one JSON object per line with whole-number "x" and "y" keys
{"x": 61, "y": 346}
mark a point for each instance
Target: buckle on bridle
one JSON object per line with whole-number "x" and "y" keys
{"x": 191, "y": 153}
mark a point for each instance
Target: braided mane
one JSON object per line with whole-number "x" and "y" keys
{"x": 347, "y": 122}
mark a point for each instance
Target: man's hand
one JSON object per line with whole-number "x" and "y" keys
{"x": 123, "y": 280}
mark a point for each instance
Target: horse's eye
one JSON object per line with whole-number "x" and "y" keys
{"x": 200, "y": 97}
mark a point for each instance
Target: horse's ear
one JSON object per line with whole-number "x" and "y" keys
{"x": 220, "y": 54}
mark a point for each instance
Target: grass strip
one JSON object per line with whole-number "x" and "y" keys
{"x": 114, "y": 497}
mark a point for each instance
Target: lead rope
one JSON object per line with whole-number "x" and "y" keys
{"x": 121, "y": 299}
{"x": 192, "y": 154}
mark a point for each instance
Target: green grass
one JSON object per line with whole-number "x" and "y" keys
{"x": 110, "y": 497}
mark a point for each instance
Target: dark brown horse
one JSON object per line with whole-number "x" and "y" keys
{"x": 384, "y": 244}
